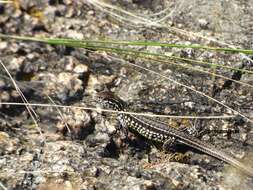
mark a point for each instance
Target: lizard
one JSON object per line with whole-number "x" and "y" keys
{"x": 160, "y": 132}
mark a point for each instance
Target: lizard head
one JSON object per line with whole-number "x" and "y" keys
{"x": 109, "y": 101}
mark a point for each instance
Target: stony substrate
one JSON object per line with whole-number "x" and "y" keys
{"x": 79, "y": 149}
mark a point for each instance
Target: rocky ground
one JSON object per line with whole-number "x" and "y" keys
{"x": 77, "y": 149}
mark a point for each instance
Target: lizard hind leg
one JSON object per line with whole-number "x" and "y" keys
{"x": 169, "y": 144}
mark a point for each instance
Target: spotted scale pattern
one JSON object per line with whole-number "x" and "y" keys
{"x": 128, "y": 121}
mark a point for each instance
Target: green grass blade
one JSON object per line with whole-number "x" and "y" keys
{"x": 101, "y": 44}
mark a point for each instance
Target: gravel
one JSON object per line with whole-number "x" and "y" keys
{"x": 81, "y": 149}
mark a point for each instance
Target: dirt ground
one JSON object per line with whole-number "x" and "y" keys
{"x": 89, "y": 153}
